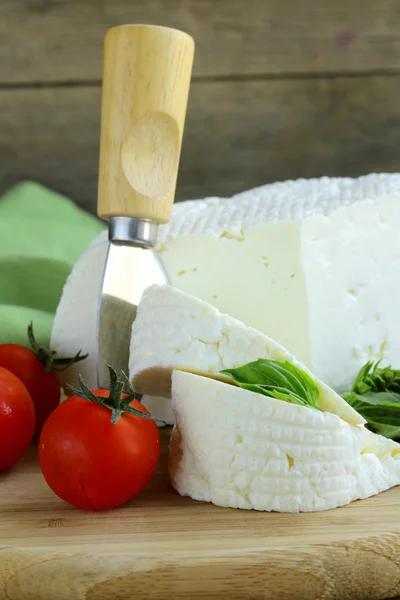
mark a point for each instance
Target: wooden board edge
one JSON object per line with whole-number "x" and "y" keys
{"x": 367, "y": 568}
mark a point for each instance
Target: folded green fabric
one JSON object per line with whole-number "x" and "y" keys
{"x": 42, "y": 234}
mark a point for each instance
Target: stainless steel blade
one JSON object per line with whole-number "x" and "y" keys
{"x": 128, "y": 271}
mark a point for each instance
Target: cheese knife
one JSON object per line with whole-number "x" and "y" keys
{"x": 145, "y": 87}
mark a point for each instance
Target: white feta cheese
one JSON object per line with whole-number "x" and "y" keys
{"x": 175, "y": 330}
{"x": 309, "y": 263}
{"x": 240, "y": 449}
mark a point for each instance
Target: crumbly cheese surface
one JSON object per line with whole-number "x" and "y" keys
{"x": 175, "y": 330}
{"x": 240, "y": 449}
{"x": 281, "y": 201}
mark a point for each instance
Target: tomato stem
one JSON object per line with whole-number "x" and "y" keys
{"x": 117, "y": 402}
{"x": 48, "y": 357}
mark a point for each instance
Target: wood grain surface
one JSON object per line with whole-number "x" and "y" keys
{"x": 282, "y": 89}
{"x": 236, "y": 136}
{"x": 61, "y": 40}
{"x": 163, "y": 546}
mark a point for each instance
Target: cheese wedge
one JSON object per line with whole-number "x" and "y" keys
{"x": 175, "y": 330}
{"x": 241, "y": 449}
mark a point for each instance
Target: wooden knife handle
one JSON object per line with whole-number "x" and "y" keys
{"x": 146, "y": 79}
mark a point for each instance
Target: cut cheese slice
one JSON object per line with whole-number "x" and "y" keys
{"x": 175, "y": 330}
{"x": 240, "y": 449}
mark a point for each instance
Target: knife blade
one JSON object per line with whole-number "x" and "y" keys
{"x": 130, "y": 270}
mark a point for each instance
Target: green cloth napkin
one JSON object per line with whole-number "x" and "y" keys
{"x": 42, "y": 234}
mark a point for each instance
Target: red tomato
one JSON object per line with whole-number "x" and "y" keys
{"x": 17, "y": 418}
{"x": 43, "y": 387}
{"x": 92, "y": 463}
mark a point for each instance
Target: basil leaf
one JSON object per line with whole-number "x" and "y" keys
{"x": 381, "y": 410}
{"x": 278, "y": 380}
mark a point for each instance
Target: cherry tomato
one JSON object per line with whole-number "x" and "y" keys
{"x": 17, "y": 418}
{"x": 43, "y": 387}
{"x": 36, "y": 367}
{"x": 93, "y": 463}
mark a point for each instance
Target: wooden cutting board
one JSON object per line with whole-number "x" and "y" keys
{"x": 163, "y": 546}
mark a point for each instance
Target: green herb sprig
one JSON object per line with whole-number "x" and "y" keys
{"x": 372, "y": 378}
{"x": 375, "y": 395}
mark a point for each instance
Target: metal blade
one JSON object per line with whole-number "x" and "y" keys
{"x": 128, "y": 271}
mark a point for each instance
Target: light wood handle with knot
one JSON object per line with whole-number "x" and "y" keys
{"x": 146, "y": 79}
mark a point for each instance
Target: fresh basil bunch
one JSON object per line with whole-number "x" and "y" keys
{"x": 376, "y": 396}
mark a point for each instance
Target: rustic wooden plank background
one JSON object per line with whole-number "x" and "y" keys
{"x": 281, "y": 89}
